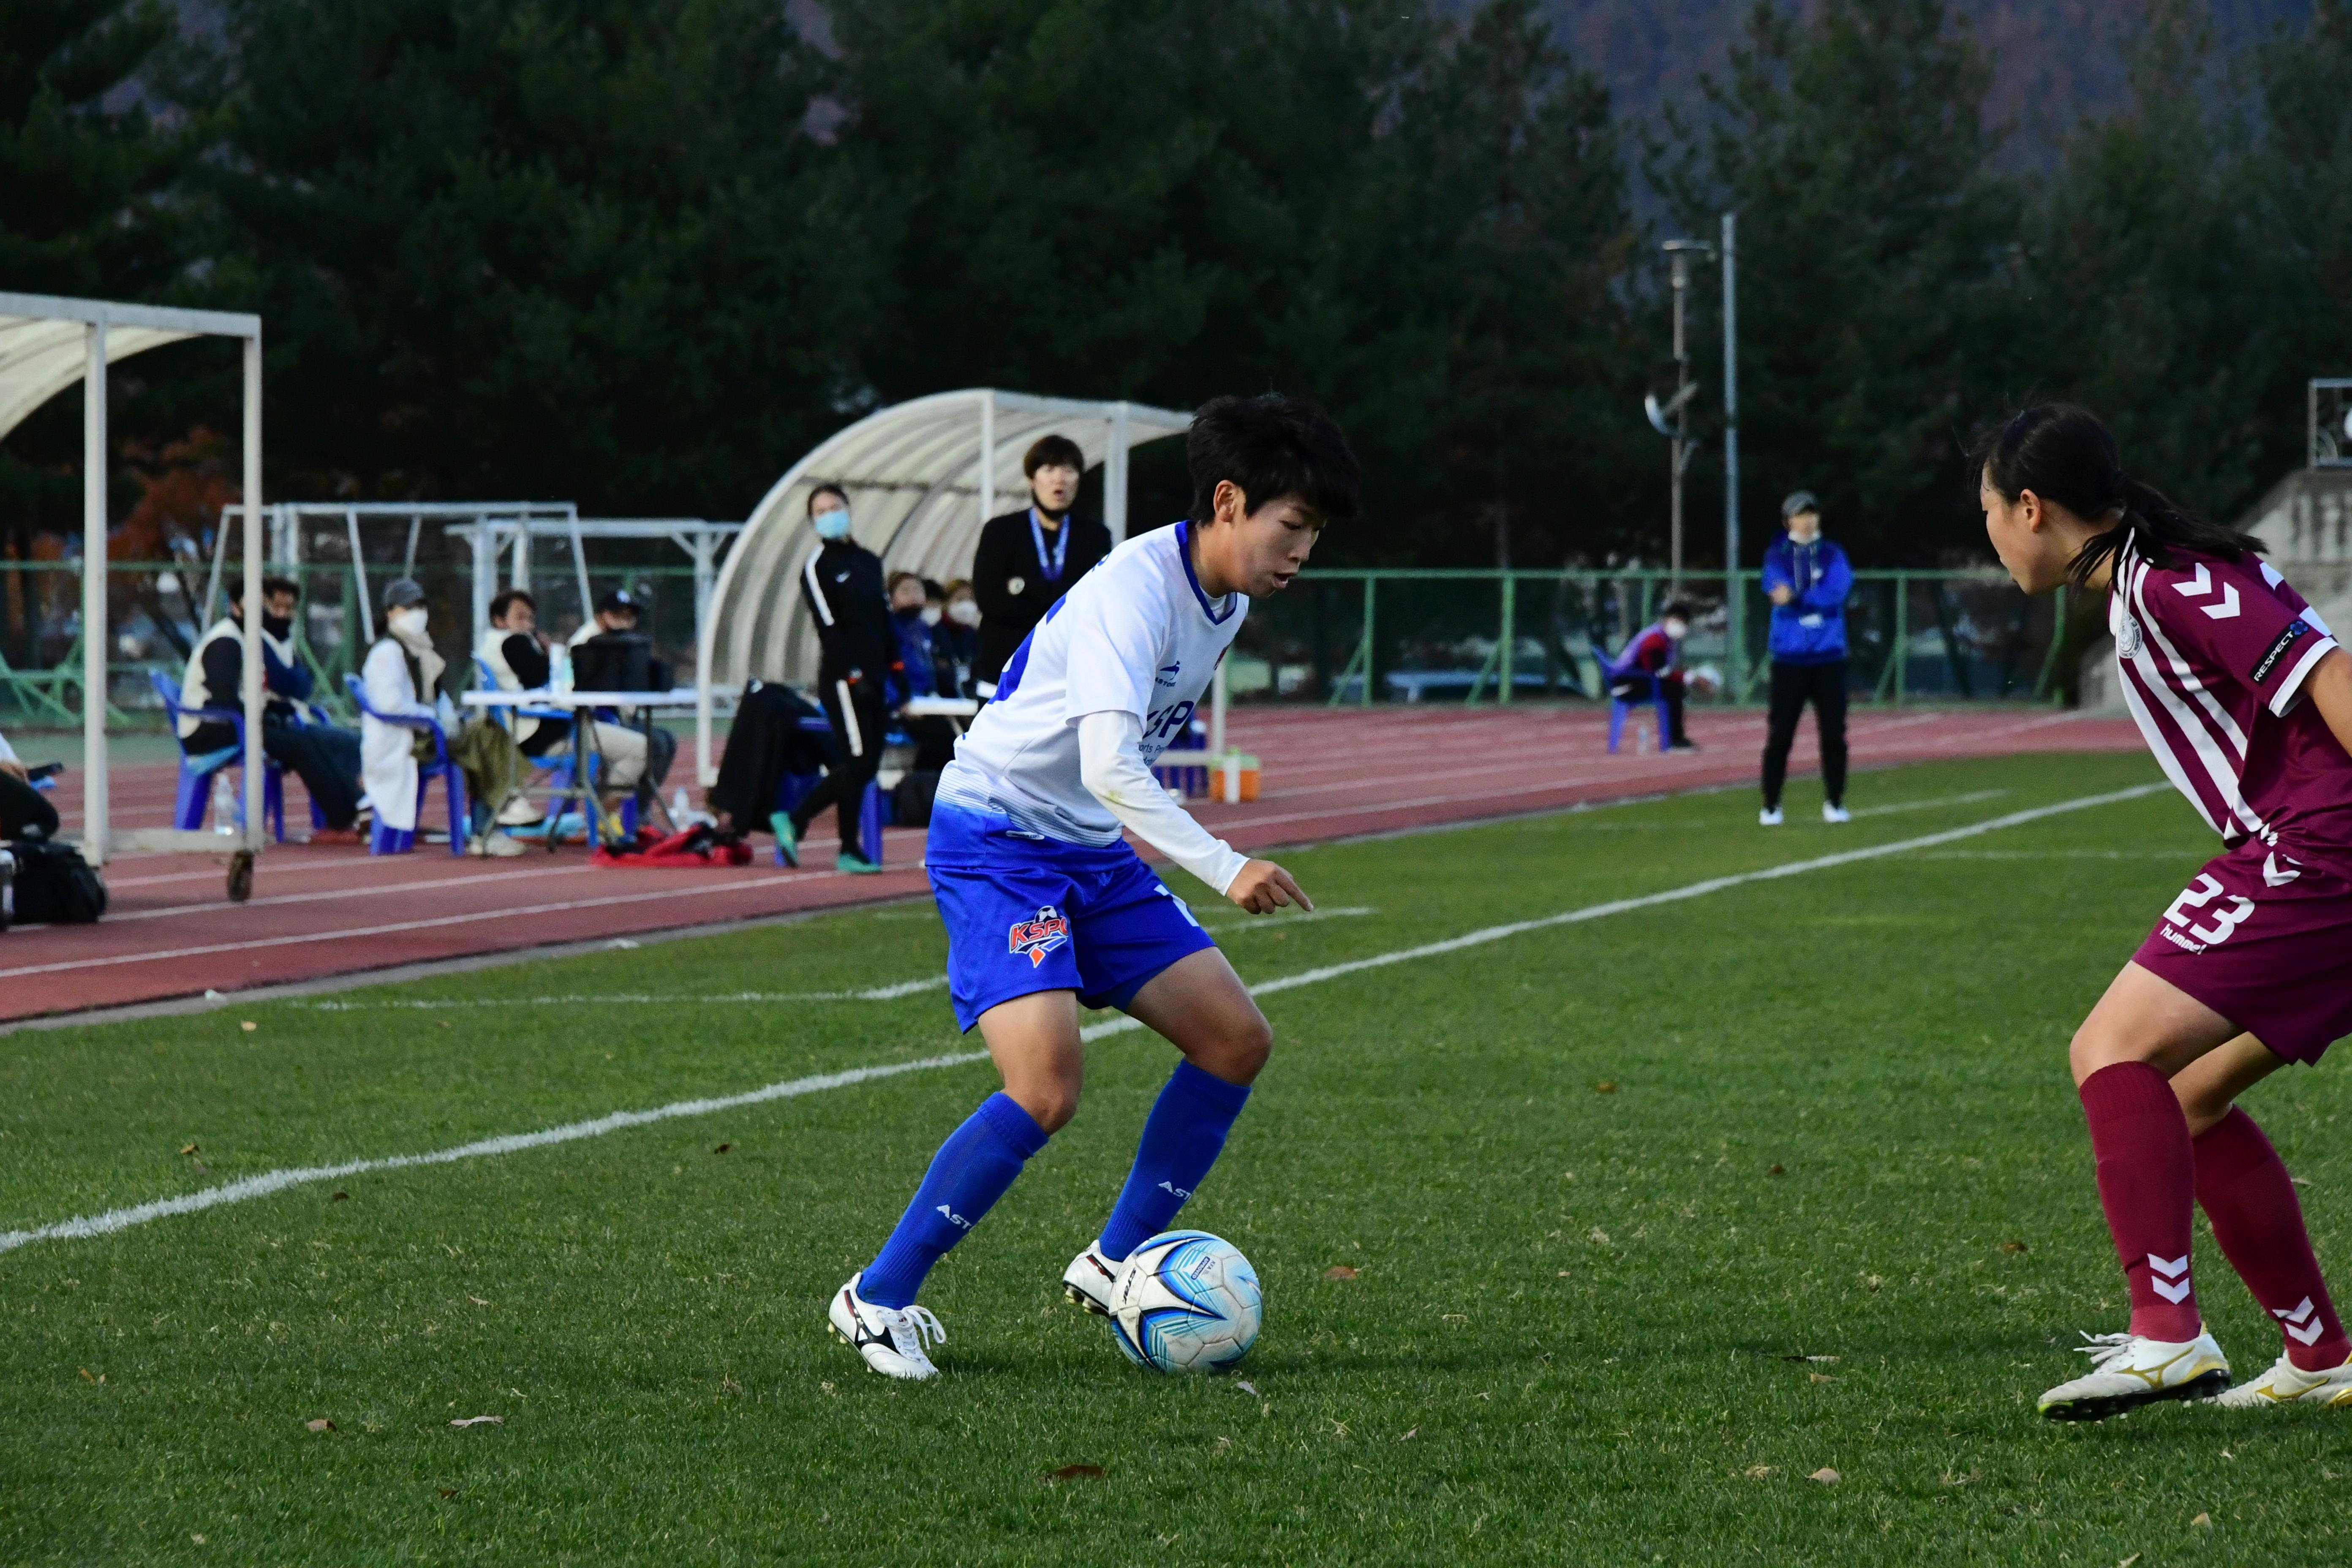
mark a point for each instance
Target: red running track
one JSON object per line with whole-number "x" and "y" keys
{"x": 321, "y": 911}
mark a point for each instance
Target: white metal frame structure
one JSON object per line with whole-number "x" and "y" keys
{"x": 512, "y": 533}
{"x": 922, "y": 476}
{"x": 46, "y": 345}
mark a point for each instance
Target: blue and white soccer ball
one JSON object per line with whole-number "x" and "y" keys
{"x": 1186, "y": 1301}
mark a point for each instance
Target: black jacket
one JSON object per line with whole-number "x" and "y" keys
{"x": 1008, "y": 555}
{"x": 842, "y": 585}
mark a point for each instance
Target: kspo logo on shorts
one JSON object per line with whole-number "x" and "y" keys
{"x": 1036, "y": 938}
{"x": 2226, "y": 918}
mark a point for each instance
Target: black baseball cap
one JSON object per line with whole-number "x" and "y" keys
{"x": 1799, "y": 501}
{"x": 402, "y": 592}
{"x": 614, "y": 602}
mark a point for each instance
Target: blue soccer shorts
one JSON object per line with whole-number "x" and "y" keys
{"x": 1027, "y": 914}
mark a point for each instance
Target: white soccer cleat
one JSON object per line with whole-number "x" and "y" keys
{"x": 2128, "y": 1371}
{"x": 1088, "y": 1278}
{"x": 892, "y": 1339}
{"x": 1769, "y": 817}
{"x": 1835, "y": 812}
{"x": 2287, "y": 1383}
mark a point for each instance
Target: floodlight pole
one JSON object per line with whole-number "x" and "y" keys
{"x": 1680, "y": 448}
{"x": 255, "y": 826}
{"x": 1736, "y": 645}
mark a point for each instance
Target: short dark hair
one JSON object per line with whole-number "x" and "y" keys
{"x": 1679, "y": 610}
{"x": 891, "y": 586}
{"x": 1055, "y": 451}
{"x": 1271, "y": 445}
{"x": 506, "y": 599}
{"x": 270, "y": 588}
{"x": 826, "y": 489}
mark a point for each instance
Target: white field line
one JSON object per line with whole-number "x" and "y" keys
{"x": 271, "y": 1182}
{"x": 1969, "y": 799}
{"x": 2177, "y": 856}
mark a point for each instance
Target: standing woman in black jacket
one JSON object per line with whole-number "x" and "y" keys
{"x": 842, "y": 585}
{"x": 1028, "y": 559}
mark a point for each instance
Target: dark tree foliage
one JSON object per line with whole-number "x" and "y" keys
{"x": 562, "y": 250}
{"x": 1877, "y": 296}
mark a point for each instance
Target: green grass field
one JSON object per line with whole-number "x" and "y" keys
{"x": 1653, "y": 1215}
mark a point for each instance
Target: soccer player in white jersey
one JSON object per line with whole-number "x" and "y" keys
{"x": 2247, "y": 701}
{"x": 1045, "y": 903}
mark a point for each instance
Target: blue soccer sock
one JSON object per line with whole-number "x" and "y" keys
{"x": 1181, "y": 1139}
{"x": 972, "y": 1169}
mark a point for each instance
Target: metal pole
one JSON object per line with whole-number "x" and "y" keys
{"x": 255, "y": 827}
{"x": 1115, "y": 483}
{"x": 1371, "y": 582}
{"x": 1217, "y": 700}
{"x": 359, "y": 575}
{"x": 987, "y": 487}
{"x": 1679, "y": 446}
{"x": 1732, "y": 605}
{"x": 1510, "y": 635}
{"x": 94, "y": 631}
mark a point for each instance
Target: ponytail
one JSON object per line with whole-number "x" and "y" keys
{"x": 2063, "y": 454}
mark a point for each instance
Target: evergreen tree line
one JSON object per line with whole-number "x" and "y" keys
{"x": 644, "y": 255}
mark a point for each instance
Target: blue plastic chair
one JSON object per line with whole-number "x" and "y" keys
{"x": 1619, "y": 707}
{"x": 196, "y": 771}
{"x": 383, "y": 840}
{"x": 1187, "y": 776}
{"x": 873, "y": 812}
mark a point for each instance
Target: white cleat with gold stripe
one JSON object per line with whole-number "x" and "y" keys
{"x": 2287, "y": 1383}
{"x": 2128, "y": 1371}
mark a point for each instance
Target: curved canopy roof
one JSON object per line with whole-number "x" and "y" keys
{"x": 43, "y": 348}
{"x": 919, "y": 493}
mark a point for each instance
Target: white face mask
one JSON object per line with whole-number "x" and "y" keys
{"x": 931, "y": 615}
{"x": 409, "y": 621}
{"x": 964, "y": 612}
{"x": 1678, "y": 629}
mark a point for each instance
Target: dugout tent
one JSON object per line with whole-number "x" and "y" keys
{"x": 46, "y": 345}
{"x": 922, "y": 476}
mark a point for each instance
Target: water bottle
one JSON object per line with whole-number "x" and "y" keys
{"x": 224, "y": 806}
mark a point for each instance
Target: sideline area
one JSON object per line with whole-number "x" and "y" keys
{"x": 323, "y": 912}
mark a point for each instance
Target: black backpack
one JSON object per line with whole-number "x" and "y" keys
{"x": 53, "y": 885}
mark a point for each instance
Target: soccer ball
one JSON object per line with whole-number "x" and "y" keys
{"x": 1186, "y": 1301}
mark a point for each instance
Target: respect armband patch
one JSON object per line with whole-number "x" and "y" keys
{"x": 2295, "y": 630}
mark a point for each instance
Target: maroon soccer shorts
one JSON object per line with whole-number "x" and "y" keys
{"x": 2263, "y": 937}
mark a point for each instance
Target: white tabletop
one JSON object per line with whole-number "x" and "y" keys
{"x": 676, "y": 697}
{"x": 940, "y": 707}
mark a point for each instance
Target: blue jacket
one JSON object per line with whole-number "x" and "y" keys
{"x": 914, "y": 652}
{"x": 1811, "y": 627}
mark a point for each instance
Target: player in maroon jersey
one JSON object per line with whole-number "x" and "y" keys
{"x": 2247, "y": 701}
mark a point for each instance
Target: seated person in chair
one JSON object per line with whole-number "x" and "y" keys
{"x": 917, "y": 676}
{"x": 515, "y": 655}
{"x": 637, "y": 759}
{"x": 402, "y": 678}
{"x": 293, "y": 734}
{"x": 25, "y": 812}
{"x": 1652, "y": 657}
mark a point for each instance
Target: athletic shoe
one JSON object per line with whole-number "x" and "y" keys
{"x": 240, "y": 876}
{"x": 1835, "y": 812}
{"x": 1088, "y": 1278}
{"x": 2128, "y": 1371}
{"x": 1683, "y": 745}
{"x": 2287, "y": 1383}
{"x": 1769, "y": 817}
{"x": 856, "y": 865}
{"x": 889, "y": 1337}
{"x": 788, "y": 842}
{"x": 496, "y": 846}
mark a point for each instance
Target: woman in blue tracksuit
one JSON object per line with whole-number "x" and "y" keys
{"x": 1806, "y": 579}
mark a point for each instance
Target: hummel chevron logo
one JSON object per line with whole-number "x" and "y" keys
{"x": 2302, "y": 1325}
{"x": 2202, "y": 585}
{"x": 961, "y": 1223}
{"x": 2276, "y": 875}
{"x": 2170, "y": 1280}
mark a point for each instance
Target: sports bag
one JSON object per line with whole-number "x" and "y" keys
{"x": 54, "y": 885}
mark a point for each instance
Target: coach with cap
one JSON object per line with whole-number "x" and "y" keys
{"x": 1808, "y": 580}
{"x": 1028, "y": 559}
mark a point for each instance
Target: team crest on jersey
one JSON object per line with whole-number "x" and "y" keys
{"x": 2128, "y": 641}
{"x": 1036, "y": 938}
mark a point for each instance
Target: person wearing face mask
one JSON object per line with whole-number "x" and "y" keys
{"x": 293, "y": 734}
{"x": 955, "y": 641}
{"x": 1026, "y": 560}
{"x": 1652, "y": 658}
{"x": 1808, "y": 580}
{"x": 402, "y": 676}
{"x": 859, "y": 669}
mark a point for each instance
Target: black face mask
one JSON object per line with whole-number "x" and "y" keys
{"x": 277, "y": 627}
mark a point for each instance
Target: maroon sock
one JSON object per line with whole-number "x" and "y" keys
{"x": 2148, "y": 1184}
{"x": 2246, "y": 1194}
